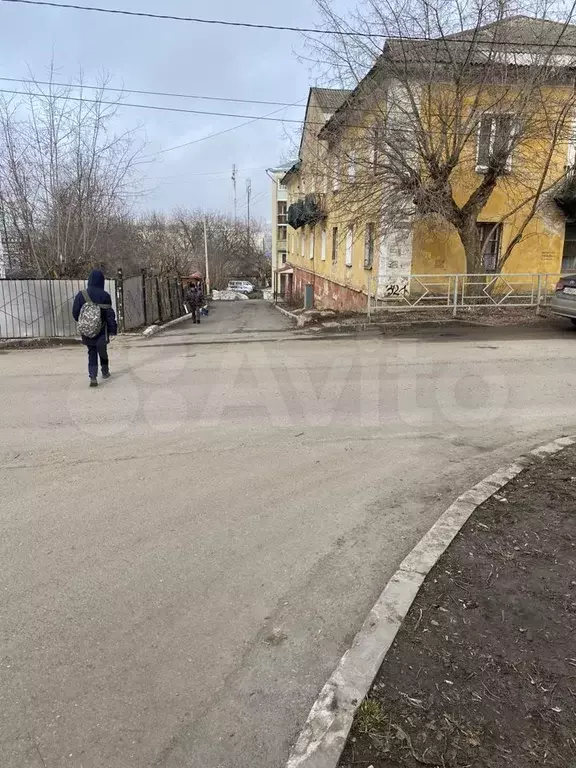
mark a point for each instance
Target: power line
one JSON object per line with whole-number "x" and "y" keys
{"x": 144, "y": 93}
{"x": 268, "y": 117}
{"x": 217, "y": 133}
{"x": 156, "y": 107}
{"x": 190, "y": 19}
{"x": 447, "y": 39}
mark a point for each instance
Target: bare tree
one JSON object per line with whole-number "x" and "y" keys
{"x": 231, "y": 254}
{"x": 66, "y": 178}
{"x": 451, "y": 103}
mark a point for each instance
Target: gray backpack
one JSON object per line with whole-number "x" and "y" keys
{"x": 90, "y": 318}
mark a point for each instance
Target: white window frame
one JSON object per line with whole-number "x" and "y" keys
{"x": 352, "y": 166}
{"x": 493, "y": 116}
{"x": 374, "y": 156}
{"x": 335, "y": 165}
{"x": 311, "y": 243}
{"x": 369, "y": 244}
{"x": 571, "y": 155}
{"x": 349, "y": 245}
{"x": 335, "y": 244}
{"x": 324, "y": 237}
{"x": 497, "y": 230}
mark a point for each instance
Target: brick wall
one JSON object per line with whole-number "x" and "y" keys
{"x": 327, "y": 294}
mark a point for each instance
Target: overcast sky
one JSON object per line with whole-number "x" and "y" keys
{"x": 159, "y": 55}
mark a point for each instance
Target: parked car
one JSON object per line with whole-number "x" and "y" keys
{"x": 563, "y": 303}
{"x": 242, "y": 286}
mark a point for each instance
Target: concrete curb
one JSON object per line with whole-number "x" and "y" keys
{"x": 324, "y": 735}
{"x": 55, "y": 341}
{"x": 296, "y": 318}
{"x": 152, "y": 330}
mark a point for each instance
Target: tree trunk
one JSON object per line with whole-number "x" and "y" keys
{"x": 470, "y": 238}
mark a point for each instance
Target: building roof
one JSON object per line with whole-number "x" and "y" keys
{"x": 516, "y": 35}
{"x": 330, "y": 99}
{"x": 525, "y": 30}
{"x": 281, "y": 169}
{"x": 521, "y": 37}
{"x": 290, "y": 172}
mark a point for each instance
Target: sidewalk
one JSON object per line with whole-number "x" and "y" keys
{"x": 483, "y": 671}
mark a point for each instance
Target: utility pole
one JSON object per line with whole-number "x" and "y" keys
{"x": 206, "y": 257}
{"x": 4, "y": 248}
{"x": 248, "y": 196}
{"x": 235, "y": 193}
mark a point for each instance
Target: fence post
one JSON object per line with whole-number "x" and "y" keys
{"x": 539, "y": 299}
{"x": 369, "y": 308}
{"x": 120, "y": 298}
{"x": 159, "y": 298}
{"x": 144, "y": 300}
{"x": 455, "y": 296}
{"x": 170, "y": 302}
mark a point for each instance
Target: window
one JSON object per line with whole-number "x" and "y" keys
{"x": 335, "y": 168}
{"x": 323, "y": 245}
{"x": 334, "y": 245}
{"x": 281, "y": 233}
{"x": 495, "y": 135}
{"x": 302, "y": 242}
{"x": 571, "y": 157}
{"x": 282, "y": 212}
{"x": 569, "y": 253}
{"x": 351, "y": 166}
{"x": 311, "y": 240}
{"x": 369, "y": 242}
{"x": 375, "y": 158}
{"x": 490, "y": 236}
{"x": 282, "y": 255}
{"x": 349, "y": 245}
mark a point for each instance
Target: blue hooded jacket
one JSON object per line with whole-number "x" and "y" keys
{"x": 98, "y": 295}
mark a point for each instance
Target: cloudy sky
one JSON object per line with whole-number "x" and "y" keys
{"x": 150, "y": 54}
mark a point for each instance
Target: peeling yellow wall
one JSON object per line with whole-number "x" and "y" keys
{"x": 436, "y": 247}
{"x": 313, "y": 178}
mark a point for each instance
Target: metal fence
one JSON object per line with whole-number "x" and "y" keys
{"x": 134, "y": 304}
{"x": 40, "y": 308}
{"x": 43, "y": 308}
{"x": 146, "y": 299}
{"x": 456, "y": 291}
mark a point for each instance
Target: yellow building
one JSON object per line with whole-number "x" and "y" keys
{"x": 279, "y": 229}
{"x": 359, "y": 222}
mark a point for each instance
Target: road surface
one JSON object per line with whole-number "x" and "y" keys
{"x": 186, "y": 551}
{"x": 235, "y": 317}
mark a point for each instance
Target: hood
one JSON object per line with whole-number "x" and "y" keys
{"x": 96, "y": 279}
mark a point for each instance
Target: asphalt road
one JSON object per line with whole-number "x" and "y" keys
{"x": 234, "y": 317}
{"x": 186, "y": 551}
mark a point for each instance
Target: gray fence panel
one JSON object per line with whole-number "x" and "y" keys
{"x": 152, "y": 309}
{"x": 176, "y": 298}
{"x": 40, "y": 308}
{"x": 134, "y": 315}
{"x": 165, "y": 308}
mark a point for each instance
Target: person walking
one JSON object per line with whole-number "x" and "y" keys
{"x": 96, "y": 320}
{"x": 193, "y": 303}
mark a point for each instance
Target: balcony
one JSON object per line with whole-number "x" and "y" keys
{"x": 310, "y": 211}
{"x": 565, "y": 195}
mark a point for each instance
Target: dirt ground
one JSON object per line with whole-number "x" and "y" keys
{"x": 483, "y": 672}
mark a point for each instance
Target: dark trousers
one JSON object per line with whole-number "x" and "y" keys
{"x": 95, "y": 351}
